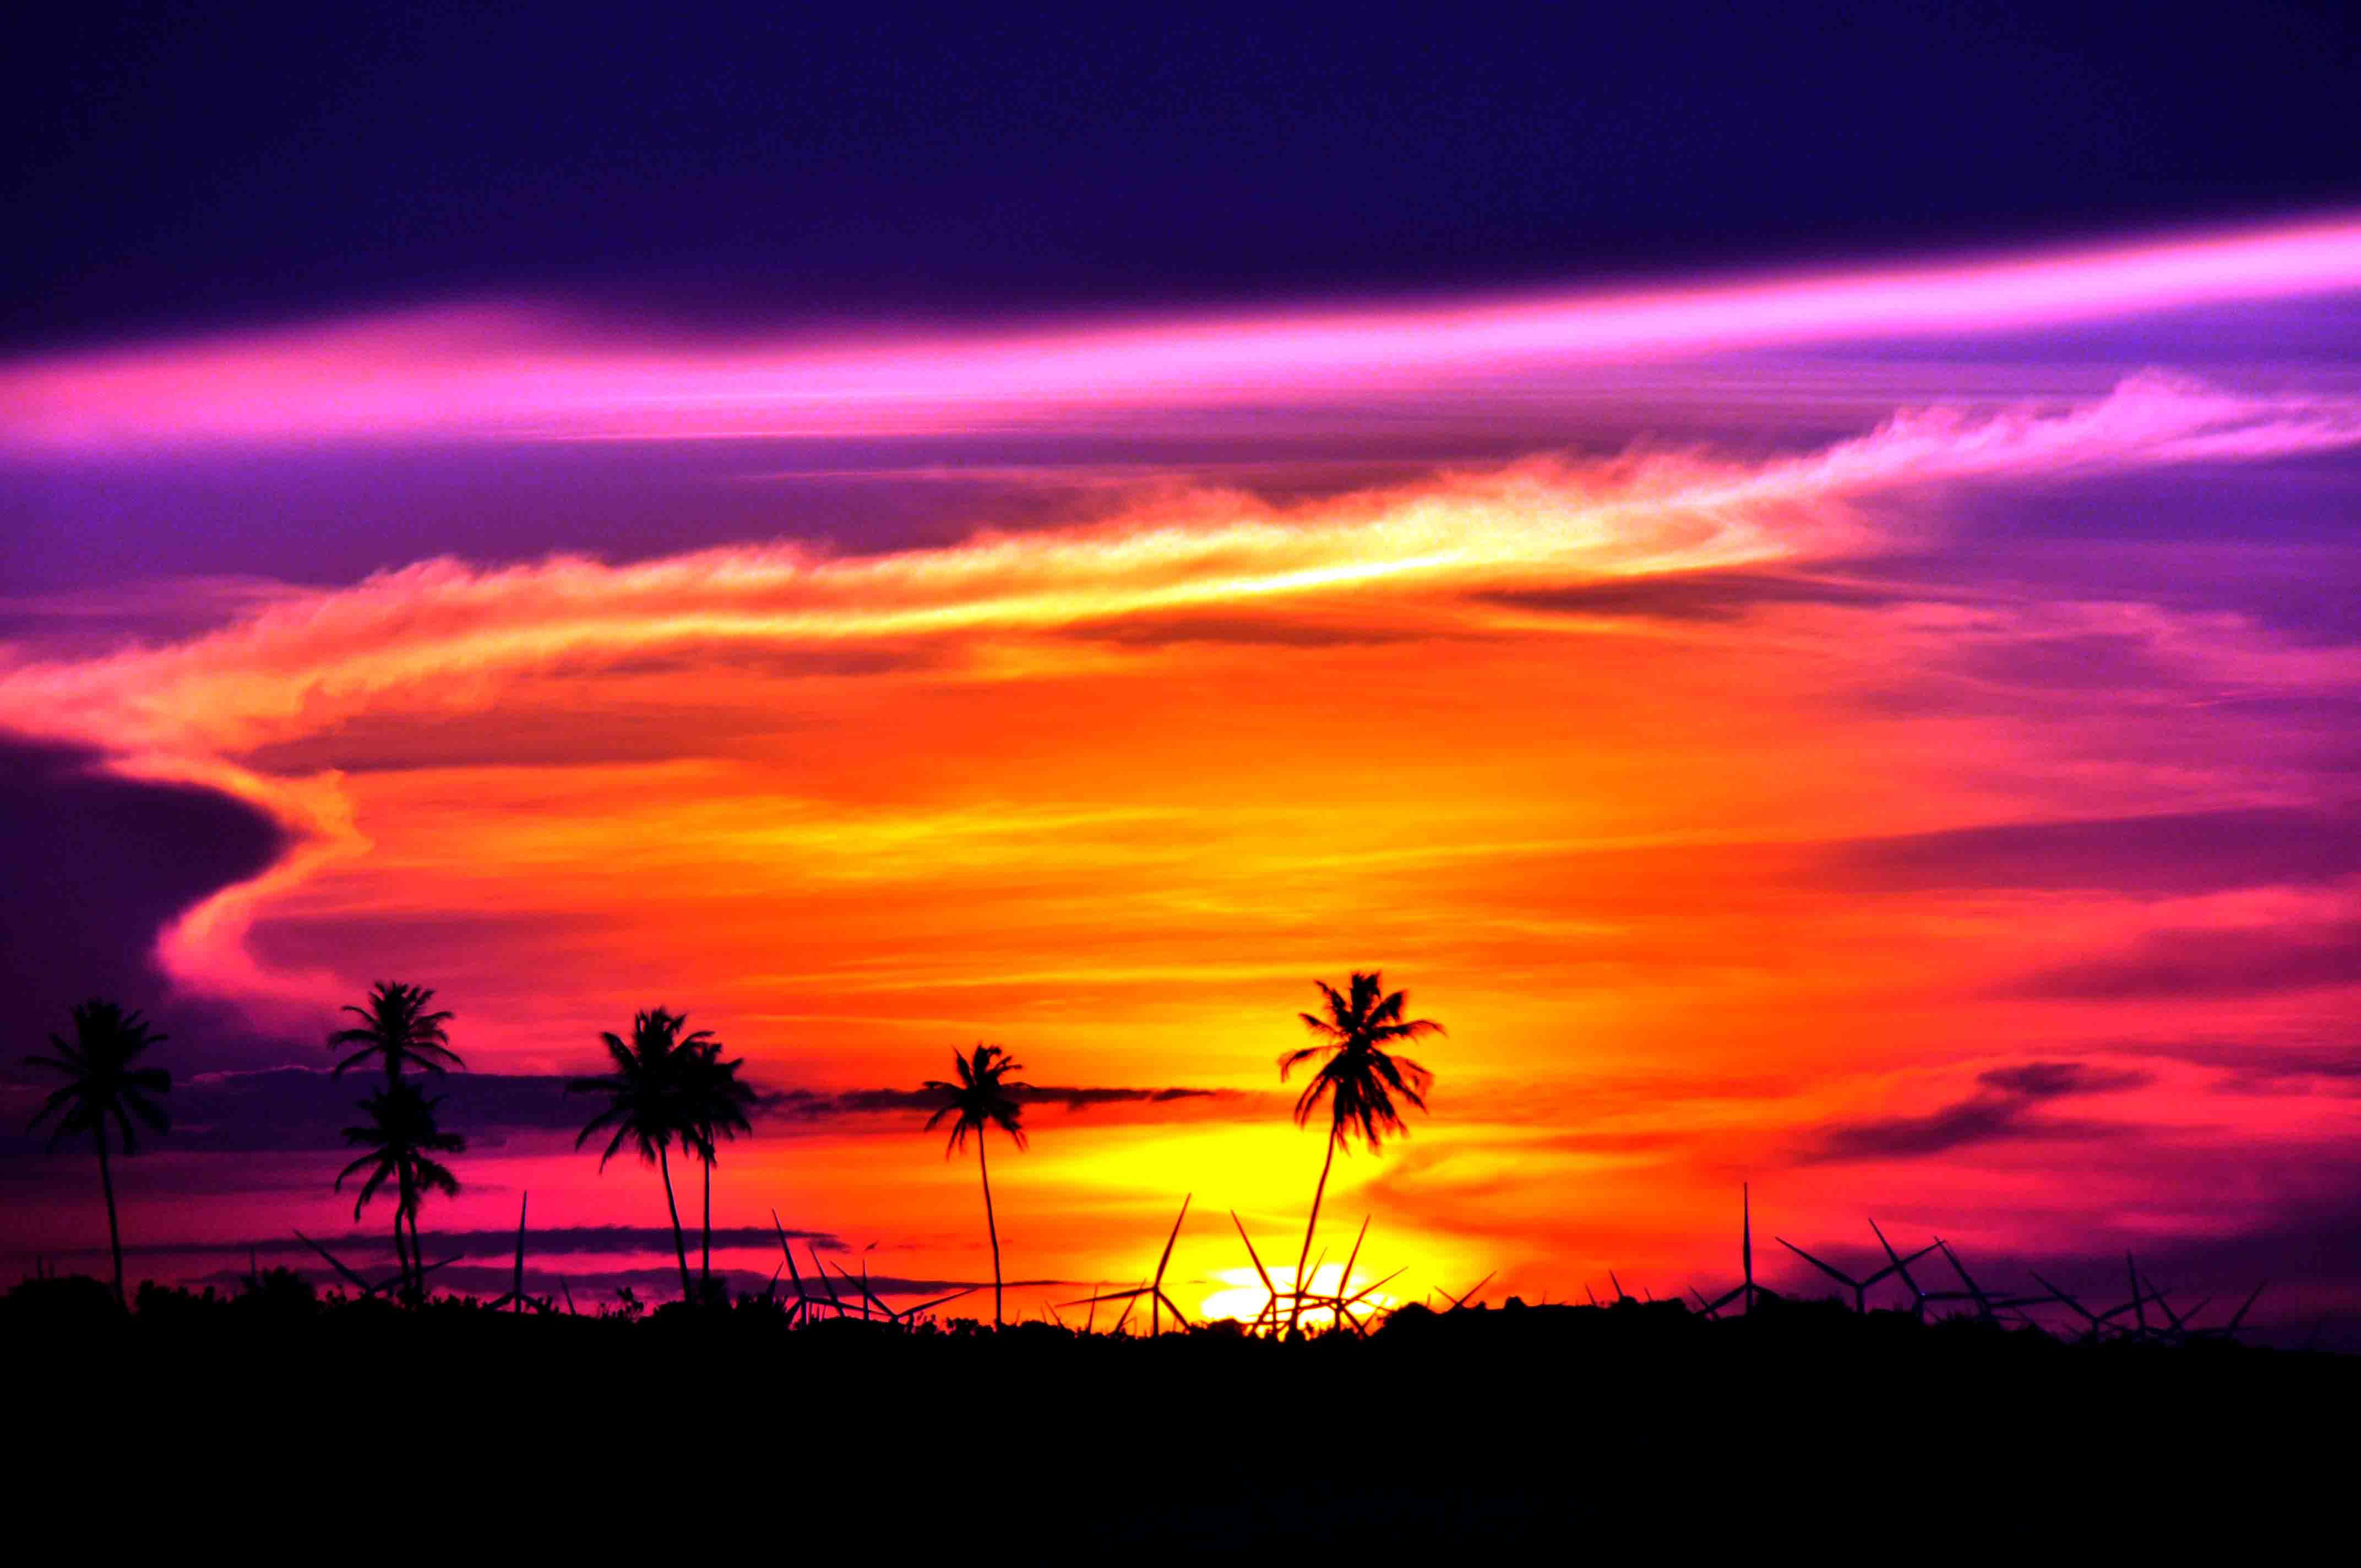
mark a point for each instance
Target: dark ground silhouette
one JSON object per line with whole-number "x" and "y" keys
{"x": 1566, "y": 1428}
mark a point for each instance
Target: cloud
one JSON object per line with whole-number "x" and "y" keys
{"x": 401, "y": 660}
{"x": 2269, "y": 1067}
{"x": 439, "y": 638}
{"x": 809, "y": 1105}
{"x": 307, "y": 1108}
{"x": 562, "y": 1240}
{"x": 2002, "y": 1109}
{"x": 2200, "y": 962}
{"x": 93, "y": 867}
{"x": 1705, "y": 596}
{"x": 512, "y": 372}
{"x": 2173, "y": 852}
{"x": 1274, "y": 631}
{"x": 652, "y": 1285}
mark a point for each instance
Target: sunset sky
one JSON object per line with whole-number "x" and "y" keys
{"x": 1853, "y": 696}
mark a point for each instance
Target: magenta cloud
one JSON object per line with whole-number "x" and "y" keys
{"x": 510, "y": 370}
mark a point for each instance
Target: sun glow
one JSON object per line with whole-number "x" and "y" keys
{"x": 1239, "y": 1295}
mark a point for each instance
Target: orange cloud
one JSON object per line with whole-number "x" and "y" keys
{"x": 1115, "y": 791}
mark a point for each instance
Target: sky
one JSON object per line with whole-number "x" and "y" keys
{"x": 1798, "y": 597}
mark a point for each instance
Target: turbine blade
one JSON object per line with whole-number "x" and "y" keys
{"x": 1170, "y": 1239}
{"x": 1834, "y": 1274}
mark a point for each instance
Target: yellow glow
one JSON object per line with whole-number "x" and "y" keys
{"x": 1240, "y": 1295}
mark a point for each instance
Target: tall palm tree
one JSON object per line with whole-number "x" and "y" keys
{"x": 716, "y": 1099}
{"x": 101, "y": 1082}
{"x": 979, "y": 1101}
{"x": 396, "y": 1029}
{"x": 648, "y": 1104}
{"x": 402, "y": 1137}
{"x": 1360, "y": 1080}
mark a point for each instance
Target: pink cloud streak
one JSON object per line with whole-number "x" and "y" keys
{"x": 520, "y": 371}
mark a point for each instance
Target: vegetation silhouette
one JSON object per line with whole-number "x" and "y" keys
{"x": 103, "y": 1080}
{"x": 1548, "y": 1423}
{"x": 649, "y": 1103}
{"x": 979, "y": 1101}
{"x": 1358, "y": 1079}
{"x": 402, "y": 1137}
{"x": 396, "y": 1029}
{"x": 715, "y": 1101}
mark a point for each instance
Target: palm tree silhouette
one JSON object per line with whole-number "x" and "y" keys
{"x": 979, "y": 1101}
{"x": 1360, "y": 1080}
{"x": 648, "y": 1104}
{"x": 403, "y": 1138}
{"x": 101, "y": 1082}
{"x": 715, "y": 1099}
{"x": 395, "y": 1027}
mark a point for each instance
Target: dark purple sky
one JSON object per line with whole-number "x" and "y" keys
{"x": 174, "y": 164}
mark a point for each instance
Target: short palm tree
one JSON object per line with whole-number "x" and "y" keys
{"x": 402, "y": 1137}
{"x": 1360, "y": 1080}
{"x": 979, "y": 1101}
{"x": 717, "y": 1101}
{"x": 396, "y": 1029}
{"x": 102, "y": 1081}
{"x": 648, "y": 1102}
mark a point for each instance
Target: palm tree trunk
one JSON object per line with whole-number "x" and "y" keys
{"x": 705, "y": 1258}
{"x": 400, "y": 1259}
{"x": 991, "y": 1227}
{"x": 114, "y": 1231}
{"x": 413, "y": 1277}
{"x": 1296, "y": 1306}
{"x": 679, "y": 1244}
{"x": 417, "y": 1247}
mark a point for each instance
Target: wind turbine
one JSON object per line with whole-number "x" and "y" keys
{"x": 1745, "y": 1290}
{"x": 1459, "y": 1302}
{"x": 516, "y": 1297}
{"x": 1346, "y": 1305}
{"x": 2230, "y": 1329}
{"x": 383, "y": 1285}
{"x": 2098, "y": 1321}
{"x": 1859, "y": 1288}
{"x": 806, "y": 1303}
{"x": 1344, "y": 1282}
{"x": 1987, "y": 1308}
{"x": 2179, "y": 1334}
{"x": 1340, "y": 1303}
{"x": 1154, "y": 1289}
{"x": 1918, "y": 1298}
{"x": 1270, "y": 1292}
{"x": 906, "y": 1318}
{"x": 910, "y": 1314}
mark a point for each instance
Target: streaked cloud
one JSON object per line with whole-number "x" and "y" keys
{"x": 512, "y": 372}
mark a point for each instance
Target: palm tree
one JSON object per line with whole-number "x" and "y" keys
{"x": 648, "y": 1102}
{"x": 403, "y": 1138}
{"x": 716, "y": 1099}
{"x": 981, "y": 1100}
{"x": 395, "y": 1027}
{"x": 1360, "y": 1080}
{"x": 101, "y": 1082}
